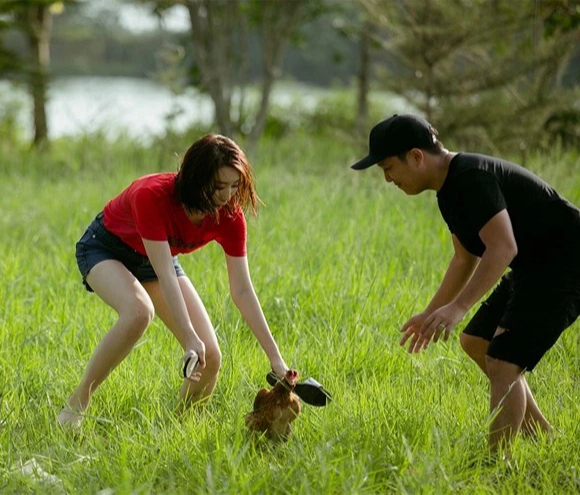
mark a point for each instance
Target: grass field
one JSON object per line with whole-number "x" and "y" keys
{"x": 339, "y": 261}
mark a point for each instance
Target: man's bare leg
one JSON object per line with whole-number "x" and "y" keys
{"x": 534, "y": 420}
{"x": 507, "y": 402}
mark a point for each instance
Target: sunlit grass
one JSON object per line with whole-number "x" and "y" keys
{"x": 339, "y": 262}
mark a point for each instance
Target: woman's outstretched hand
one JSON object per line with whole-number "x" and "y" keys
{"x": 279, "y": 367}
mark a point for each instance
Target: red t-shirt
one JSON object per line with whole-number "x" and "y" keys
{"x": 148, "y": 209}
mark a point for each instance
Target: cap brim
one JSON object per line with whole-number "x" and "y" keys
{"x": 366, "y": 162}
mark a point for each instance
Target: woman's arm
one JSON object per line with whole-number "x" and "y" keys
{"x": 244, "y": 297}
{"x": 159, "y": 254}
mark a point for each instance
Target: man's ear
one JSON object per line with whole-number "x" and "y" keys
{"x": 415, "y": 157}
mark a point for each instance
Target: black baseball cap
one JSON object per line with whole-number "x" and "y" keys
{"x": 396, "y": 135}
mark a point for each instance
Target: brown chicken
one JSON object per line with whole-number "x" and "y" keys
{"x": 274, "y": 410}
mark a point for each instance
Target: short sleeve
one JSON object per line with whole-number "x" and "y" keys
{"x": 149, "y": 221}
{"x": 232, "y": 234}
{"x": 479, "y": 198}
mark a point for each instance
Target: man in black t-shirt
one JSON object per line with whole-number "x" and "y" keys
{"x": 500, "y": 215}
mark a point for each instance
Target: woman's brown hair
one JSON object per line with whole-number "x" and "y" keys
{"x": 195, "y": 181}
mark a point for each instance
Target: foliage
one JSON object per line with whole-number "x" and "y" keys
{"x": 97, "y": 44}
{"x": 9, "y": 62}
{"x": 18, "y": 15}
{"x": 34, "y": 19}
{"x": 560, "y": 16}
{"x": 492, "y": 71}
{"x": 84, "y": 44}
{"x": 10, "y": 130}
{"x": 222, "y": 32}
{"x": 333, "y": 116}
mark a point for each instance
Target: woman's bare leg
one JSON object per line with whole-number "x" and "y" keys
{"x": 115, "y": 285}
{"x": 192, "y": 392}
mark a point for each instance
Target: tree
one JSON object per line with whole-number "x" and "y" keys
{"x": 363, "y": 77}
{"x": 353, "y": 23}
{"x": 221, "y": 32}
{"x": 486, "y": 72}
{"x": 8, "y": 60}
{"x": 34, "y": 19}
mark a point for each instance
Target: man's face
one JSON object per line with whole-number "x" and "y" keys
{"x": 404, "y": 174}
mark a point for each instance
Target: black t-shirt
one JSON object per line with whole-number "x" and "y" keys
{"x": 477, "y": 187}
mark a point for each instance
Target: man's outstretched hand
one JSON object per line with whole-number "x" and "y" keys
{"x": 422, "y": 328}
{"x": 412, "y": 330}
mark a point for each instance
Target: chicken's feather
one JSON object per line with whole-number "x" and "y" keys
{"x": 274, "y": 411}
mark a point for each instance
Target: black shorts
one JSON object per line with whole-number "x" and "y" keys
{"x": 98, "y": 244}
{"x": 533, "y": 308}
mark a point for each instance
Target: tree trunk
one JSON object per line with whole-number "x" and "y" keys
{"x": 242, "y": 67}
{"x": 278, "y": 21}
{"x": 39, "y": 23}
{"x": 211, "y": 60}
{"x": 219, "y": 30}
{"x": 363, "y": 79}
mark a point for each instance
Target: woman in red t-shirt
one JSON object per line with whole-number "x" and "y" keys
{"x": 128, "y": 257}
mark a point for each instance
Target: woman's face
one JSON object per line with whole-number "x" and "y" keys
{"x": 226, "y": 185}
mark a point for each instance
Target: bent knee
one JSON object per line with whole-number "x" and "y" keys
{"x": 474, "y": 347}
{"x": 466, "y": 342}
{"x": 213, "y": 360}
{"x": 138, "y": 316}
{"x": 499, "y": 370}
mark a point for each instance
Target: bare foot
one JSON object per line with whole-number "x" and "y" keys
{"x": 535, "y": 429}
{"x": 185, "y": 405}
{"x": 70, "y": 418}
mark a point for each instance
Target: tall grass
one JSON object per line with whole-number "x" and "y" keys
{"x": 339, "y": 261}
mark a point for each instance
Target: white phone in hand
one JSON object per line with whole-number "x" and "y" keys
{"x": 191, "y": 364}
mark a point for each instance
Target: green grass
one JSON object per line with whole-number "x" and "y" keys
{"x": 339, "y": 261}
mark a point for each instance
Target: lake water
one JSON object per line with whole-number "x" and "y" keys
{"x": 139, "y": 107}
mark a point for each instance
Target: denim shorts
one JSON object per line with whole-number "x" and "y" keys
{"x": 98, "y": 244}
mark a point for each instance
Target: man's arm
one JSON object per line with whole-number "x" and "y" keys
{"x": 500, "y": 249}
{"x": 461, "y": 268}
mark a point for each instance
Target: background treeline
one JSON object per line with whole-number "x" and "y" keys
{"x": 494, "y": 75}
{"x": 102, "y": 46}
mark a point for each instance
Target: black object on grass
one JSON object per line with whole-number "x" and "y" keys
{"x": 310, "y": 391}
